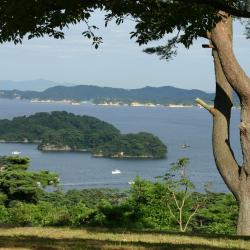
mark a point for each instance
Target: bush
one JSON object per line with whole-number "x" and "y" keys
{"x": 4, "y": 215}
{"x": 80, "y": 214}
{"x": 149, "y": 202}
{"x": 113, "y": 215}
{"x": 154, "y": 205}
{"x": 41, "y": 214}
{"x": 219, "y": 215}
{"x": 24, "y": 215}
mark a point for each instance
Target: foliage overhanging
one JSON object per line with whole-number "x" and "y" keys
{"x": 154, "y": 19}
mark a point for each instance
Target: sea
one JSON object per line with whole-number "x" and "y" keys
{"x": 174, "y": 126}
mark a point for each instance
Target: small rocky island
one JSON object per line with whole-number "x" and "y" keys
{"x": 62, "y": 131}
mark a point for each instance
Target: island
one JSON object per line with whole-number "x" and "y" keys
{"x": 63, "y": 131}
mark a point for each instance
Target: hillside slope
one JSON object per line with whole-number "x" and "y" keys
{"x": 162, "y": 95}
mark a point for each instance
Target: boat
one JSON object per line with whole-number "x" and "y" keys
{"x": 131, "y": 182}
{"x": 16, "y": 153}
{"x": 185, "y": 146}
{"x": 116, "y": 171}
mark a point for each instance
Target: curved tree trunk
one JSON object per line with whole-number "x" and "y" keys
{"x": 237, "y": 179}
{"x": 223, "y": 154}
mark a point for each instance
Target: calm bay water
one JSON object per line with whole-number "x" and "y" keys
{"x": 174, "y": 126}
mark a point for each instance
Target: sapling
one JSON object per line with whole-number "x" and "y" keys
{"x": 182, "y": 202}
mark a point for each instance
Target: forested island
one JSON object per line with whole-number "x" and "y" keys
{"x": 62, "y": 131}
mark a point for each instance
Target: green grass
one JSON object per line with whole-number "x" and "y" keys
{"x": 66, "y": 238}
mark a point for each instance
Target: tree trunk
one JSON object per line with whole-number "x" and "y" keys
{"x": 223, "y": 154}
{"x": 222, "y": 41}
{"x": 243, "y": 226}
{"x": 236, "y": 178}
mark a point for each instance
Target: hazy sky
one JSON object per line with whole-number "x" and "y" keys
{"x": 119, "y": 62}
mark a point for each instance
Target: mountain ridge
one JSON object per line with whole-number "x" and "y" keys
{"x": 156, "y": 95}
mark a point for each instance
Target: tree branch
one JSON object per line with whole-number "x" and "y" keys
{"x": 205, "y": 106}
{"x": 176, "y": 202}
{"x": 224, "y": 6}
{"x": 190, "y": 217}
{"x": 222, "y": 40}
{"x": 207, "y": 46}
{"x": 171, "y": 212}
{"x": 217, "y": 4}
{"x": 184, "y": 198}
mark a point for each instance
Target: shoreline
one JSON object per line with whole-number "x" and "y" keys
{"x": 109, "y": 103}
{"x": 88, "y": 151}
{"x": 105, "y": 103}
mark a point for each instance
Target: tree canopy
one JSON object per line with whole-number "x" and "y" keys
{"x": 18, "y": 184}
{"x": 154, "y": 19}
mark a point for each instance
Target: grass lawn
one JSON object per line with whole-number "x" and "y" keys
{"x": 65, "y": 238}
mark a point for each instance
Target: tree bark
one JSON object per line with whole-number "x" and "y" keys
{"x": 239, "y": 81}
{"x": 221, "y": 39}
{"x": 238, "y": 180}
{"x": 223, "y": 154}
{"x": 243, "y": 226}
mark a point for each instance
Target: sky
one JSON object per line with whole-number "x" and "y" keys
{"x": 119, "y": 62}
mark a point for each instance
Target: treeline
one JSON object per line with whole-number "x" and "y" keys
{"x": 146, "y": 205}
{"x": 143, "y": 145}
{"x": 60, "y": 130}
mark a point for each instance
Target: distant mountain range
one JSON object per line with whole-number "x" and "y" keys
{"x": 156, "y": 95}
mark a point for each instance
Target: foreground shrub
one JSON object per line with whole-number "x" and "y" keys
{"x": 219, "y": 215}
{"x": 80, "y": 215}
{"x": 169, "y": 203}
{"x": 145, "y": 208}
{"x": 41, "y": 214}
{"x": 113, "y": 215}
{"x": 4, "y": 215}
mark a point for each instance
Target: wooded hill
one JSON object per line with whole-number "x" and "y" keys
{"x": 157, "y": 95}
{"x": 62, "y": 131}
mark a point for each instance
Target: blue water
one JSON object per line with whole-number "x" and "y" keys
{"x": 174, "y": 126}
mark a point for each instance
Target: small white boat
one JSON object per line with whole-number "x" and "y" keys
{"x": 131, "y": 182}
{"x": 16, "y": 153}
{"x": 116, "y": 171}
